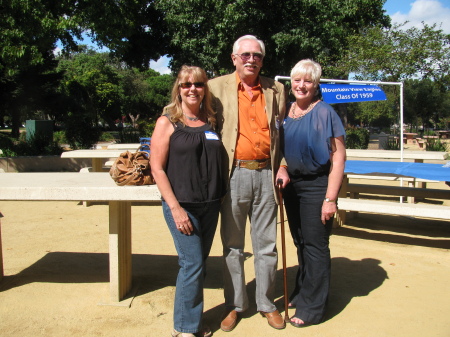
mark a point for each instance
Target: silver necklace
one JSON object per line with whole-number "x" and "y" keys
{"x": 194, "y": 119}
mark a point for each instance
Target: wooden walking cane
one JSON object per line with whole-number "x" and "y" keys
{"x": 283, "y": 250}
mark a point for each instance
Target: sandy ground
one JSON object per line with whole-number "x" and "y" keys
{"x": 390, "y": 276}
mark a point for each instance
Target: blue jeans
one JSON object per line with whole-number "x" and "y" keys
{"x": 192, "y": 253}
{"x": 303, "y": 203}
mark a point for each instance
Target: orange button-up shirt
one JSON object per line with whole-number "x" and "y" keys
{"x": 253, "y": 140}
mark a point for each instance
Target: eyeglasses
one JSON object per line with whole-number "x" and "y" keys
{"x": 246, "y": 56}
{"x": 188, "y": 85}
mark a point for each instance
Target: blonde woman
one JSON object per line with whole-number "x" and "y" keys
{"x": 314, "y": 149}
{"x": 186, "y": 163}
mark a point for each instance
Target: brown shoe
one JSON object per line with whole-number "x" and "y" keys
{"x": 274, "y": 319}
{"x": 230, "y": 321}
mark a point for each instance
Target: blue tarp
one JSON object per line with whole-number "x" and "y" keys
{"x": 415, "y": 170}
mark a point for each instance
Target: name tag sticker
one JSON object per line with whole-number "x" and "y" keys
{"x": 211, "y": 135}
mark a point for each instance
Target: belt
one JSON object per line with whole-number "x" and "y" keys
{"x": 252, "y": 164}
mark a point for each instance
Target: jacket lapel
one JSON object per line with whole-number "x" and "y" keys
{"x": 232, "y": 98}
{"x": 269, "y": 93}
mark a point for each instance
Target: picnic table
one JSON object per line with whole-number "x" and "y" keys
{"x": 98, "y": 156}
{"x": 124, "y": 146}
{"x": 92, "y": 187}
{"x": 409, "y": 137}
{"x": 348, "y": 195}
{"x": 443, "y": 134}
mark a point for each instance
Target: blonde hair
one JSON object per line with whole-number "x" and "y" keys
{"x": 174, "y": 110}
{"x": 308, "y": 68}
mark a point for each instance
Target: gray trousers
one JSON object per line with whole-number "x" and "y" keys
{"x": 250, "y": 195}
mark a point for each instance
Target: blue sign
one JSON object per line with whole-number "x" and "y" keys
{"x": 346, "y": 93}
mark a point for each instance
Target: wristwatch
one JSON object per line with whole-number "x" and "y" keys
{"x": 329, "y": 200}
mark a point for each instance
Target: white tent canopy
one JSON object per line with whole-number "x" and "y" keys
{"x": 277, "y": 78}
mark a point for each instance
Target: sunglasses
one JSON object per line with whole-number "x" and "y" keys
{"x": 246, "y": 56}
{"x": 188, "y": 85}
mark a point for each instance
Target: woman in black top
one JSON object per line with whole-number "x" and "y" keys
{"x": 186, "y": 161}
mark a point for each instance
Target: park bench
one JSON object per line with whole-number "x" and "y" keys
{"x": 391, "y": 208}
{"x": 417, "y": 156}
{"x": 350, "y": 194}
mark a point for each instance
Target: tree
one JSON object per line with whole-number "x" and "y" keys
{"x": 30, "y": 29}
{"x": 425, "y": 104}
{"x": 137, "y": 31}
{"x": 291, "y": 29}
{"x": 393, "y": 54}
{"x": 99, "y": 90}
{"x": 145, "y": 92}
{"x": 371, "y": 114}
{"x": 134, "y": 30}
{"x": 93, "y": 85}
{"x": 93, "y": 95}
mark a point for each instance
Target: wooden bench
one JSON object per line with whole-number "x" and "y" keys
{"x": 417, "y": 156}
{"x": 350, "y": 192}
{"x": 356, "y": 189}
{"x": 392, "y": 208}
{"x": 409, "y": 180}
{"x": 90, "y": 187}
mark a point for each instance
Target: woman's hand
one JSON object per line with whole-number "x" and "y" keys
{"x": 283, "y": 175}
{"x": 182, "y": 220}
{"x": 328, "y": 210}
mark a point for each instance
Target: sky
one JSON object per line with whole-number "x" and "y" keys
{"x": 414, "y": 11}
{"x": 428, "y": 11}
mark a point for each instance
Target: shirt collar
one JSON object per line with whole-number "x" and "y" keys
{"x": 240, "y": 86}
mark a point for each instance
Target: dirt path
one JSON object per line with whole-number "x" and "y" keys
{"x": 391, "y": 277}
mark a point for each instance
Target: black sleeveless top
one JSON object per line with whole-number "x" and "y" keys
{"x": 194, "y": 164}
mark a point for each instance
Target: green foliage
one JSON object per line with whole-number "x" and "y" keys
{"x": 106, "y": 137}
{"x": 30, "y": 30}
{"x": 99, "y": 89}
{"x": 423, "y": 102}
{"x": 146, "y": 128}
{"x": 91, "y": 85}
{"x": 357, "y": 138}
{"x": 395, "y": 54}
{"x": 291, "y": 30}
{"x": 376, "y": 113}
{"x": 133, "y": 30}
{"x": 59, "y": 137}
{"x": 36, "y": 145}
{"x": 435, "y": 144}
{"x": 129, "y": 135}
{"x": 6, "y": 145}
{"x": 80, "y": 132}
{"x": 145, "y": 93}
